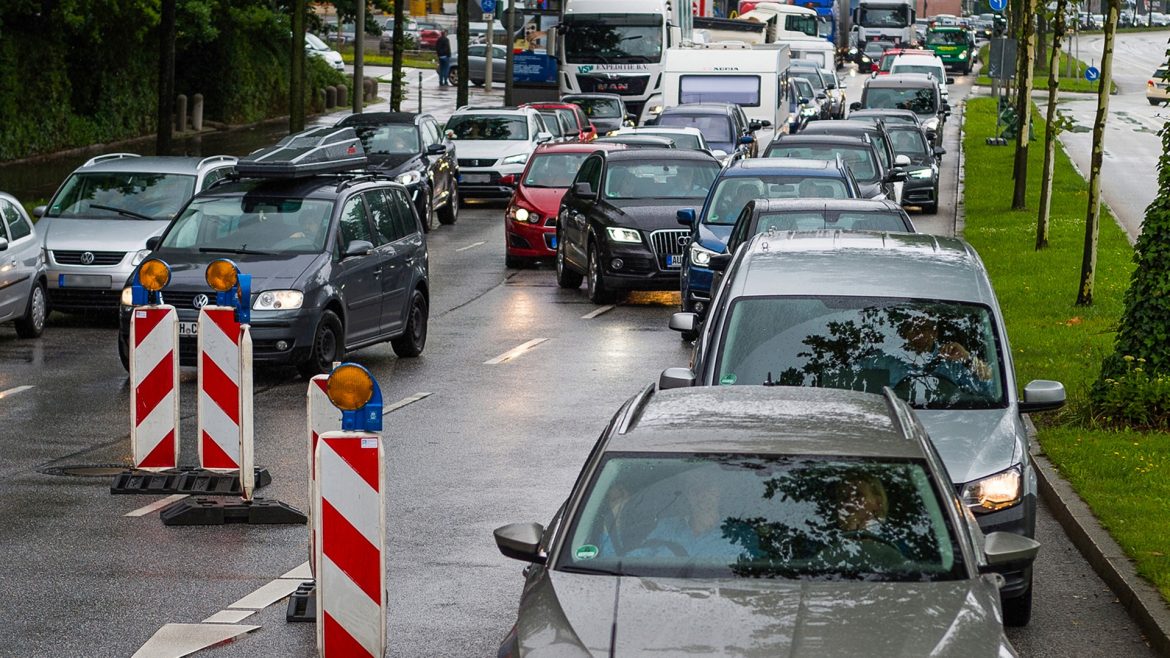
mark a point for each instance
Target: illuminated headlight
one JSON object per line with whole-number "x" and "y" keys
{"x": 808, "y": 112}
{"x": 523, "y": 215}
{"x": 994, "y": 492}
{"x": 930, "y": 124}
{"x": 921, "y": 173}
{"x": 655, "y": 110}
{"x": 409, "y": 177}
{"x": 127, "y": 296}
{"x": 278, "y": 300}
{"x": 963, "y": 55}
{"x": 519, "y": 158}
{"x": 623, "y": 234}
{"x": 139, "y": 256}
{"x": 700, "y": 255}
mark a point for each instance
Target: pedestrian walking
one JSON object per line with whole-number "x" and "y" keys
{"x": 443, "y": 50}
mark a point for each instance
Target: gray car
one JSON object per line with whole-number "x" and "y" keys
{"x": 864, "y": 311}
{"x": 22, "y": 271}
{"x": 96, "y": 226}
{"x": 755, "y": 521}
{"x": 477, "y": 64}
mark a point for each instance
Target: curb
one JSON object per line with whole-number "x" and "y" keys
{"x": 1140, "y": 599}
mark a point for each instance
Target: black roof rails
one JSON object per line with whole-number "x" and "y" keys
{"x": 316, "y": 151}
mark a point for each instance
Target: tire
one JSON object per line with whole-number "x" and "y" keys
{"x": 1154, "y": 101}
{"x": 515, "y": 262}
{"x": 32, "y": 325}
{"x": 123, "y": 352}
{"x": 426, "y": 215}
{"x": 477, "y": 83}
{"x": 453, "y": 76}
{"x": 328, "y": 346}
{"x": 1017, "y": 611}
{"x": 450, "y": 212}
{"x": 566, "y": 278}
{"x": 930, "y": 208}
{"x": 414, "y": 338}
{"x": 598, "y": 292}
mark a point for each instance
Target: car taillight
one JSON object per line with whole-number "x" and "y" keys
{"x": 1149, "y": 83}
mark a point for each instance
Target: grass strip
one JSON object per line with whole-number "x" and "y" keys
{"x": 1077, "y": 83}
{"x": 1123, "y": 476}
{"x": 411, "y": 60}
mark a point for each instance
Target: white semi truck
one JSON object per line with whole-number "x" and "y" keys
{"x": 883, "y": 20}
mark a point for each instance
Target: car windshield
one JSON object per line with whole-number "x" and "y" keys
{"x": 659, "y": 180}
{"x": 248, "y": 224}
{"x": 946, "y": 38}
{"x": 716, "y": 128}
{"x": 928, "y": 69}
{"x": 918, "y": 99}
{"x": 681, "y": 139}
{"x": 599, "y": 108}
{"x": 813, "y": 77}
{"x": 388, "y": 138}
{"x": 860, "y": 159}
{"x": 844, "y": 220}
{"x": 314, "y": 43}
{"x": 554, "y": 170}
{"x": 887, "y": 118}
{"x": 934, "y": 355}
{"x": 487, "y": 128}
{"x": 883, "y": 17}
{"x": 117, "y": 195}
{"x": 733, "y": 192}
{"x": 910, "y": 142}
{"x": 612, "y": 38}
{"x": 762, "y": 516}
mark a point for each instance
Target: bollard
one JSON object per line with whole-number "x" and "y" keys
{"x": 181, "y": 113}
{"x": 154, "y": 371}
{"x": 197, "y": 112}
{"x": 342, "y": 96}
{"x": 330, "y": 96}
{"x": 372, "y": 89}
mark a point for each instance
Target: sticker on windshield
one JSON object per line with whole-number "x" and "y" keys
{"x": 728, "y": 379}
{"x": 586, "y": 552}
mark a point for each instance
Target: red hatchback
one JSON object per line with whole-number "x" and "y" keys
{"x": 585, "y": 130}
{"x": 530, "y": 221}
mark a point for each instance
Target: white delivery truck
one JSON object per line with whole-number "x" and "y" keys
{"x": 883, "y": 20}
{"x": 755, "y": 78}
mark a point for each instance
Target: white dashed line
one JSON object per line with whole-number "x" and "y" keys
{"x": 471, "y": 246}
{"x": 13, "y": 391}
{"x": 268, "y": 594}
{"x": 598, "y": 311}
{"x": 514, "y": 352}
{"x": 157, "y": 505}
{"x": 229, "y": 616}
{"x": 404, "y": 401}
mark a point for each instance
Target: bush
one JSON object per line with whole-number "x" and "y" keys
{"x": 1135, "y": 399}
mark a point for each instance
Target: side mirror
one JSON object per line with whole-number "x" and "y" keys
{"x": 686, "y": 216}
{"x": 3, "y": 244}
{"x": 822, "y": 96}
{"x": 154, "y": 242}
{"x": 508, "y": 179}
{"x": 901, "y": 160}
{"x": 932, "y": 135}
{"x": 803, "y": 100}
{"x": 520, "y": 541}
{"x": 939, "y": 151}
{"x": 765, "y": 124}
{"x": 675, "y": 378}
{"x": 946, "y": 108}
{"x": 1042, "y": 395}
{"x": 358, "y": 248}
{"x": 39, "y": 211}
{"x": 746, "y": 139}
{"x": 719, "y": 154}
{"x": 684, "y": 322}
{"x": 436, "y": 149}
{"x": 719, "y": 262}
{"x": 950, "y": 80}
{"x": 542, "y": 137}
{"x": 583, "y": 189}
{"x": 1002, "y": 549}
{"x": 855, "y": 106}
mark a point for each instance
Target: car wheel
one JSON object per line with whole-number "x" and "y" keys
{"x": 328, "y": 346}
{"x": 1017, "y": 611}
{"x": 450, "y": 212}
{"x": 477, "y": 83}
{"x": 453, "y": 76}
{"x": 427, "y": 212}
{"x": 414, "y": 338}
{"x": 1154, "y": 101}
{"x": 598, "y": 292}
{"x": 32, "y": 325}
{"x": 515, "y": 262}
{"x": 566, "y": 278}
{"x": 123, "y": 352}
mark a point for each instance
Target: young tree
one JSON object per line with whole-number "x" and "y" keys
{"x": 1051, "y": 127}
{"x": 1024, "y": 63}
{"x": 296, "y": 79}
{"x": 166, "y": 77}
{"x": 1093, "y": 215}
{"x": 399, "y": 44}
{"x": 462, "y": 40}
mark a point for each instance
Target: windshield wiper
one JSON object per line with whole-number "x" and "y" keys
{"x": 122, "y": 211}
{"x": 591, "y": 570}
{"x": 232, "y": 250}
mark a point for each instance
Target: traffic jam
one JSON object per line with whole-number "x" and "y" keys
{"x": 751, "y": 401}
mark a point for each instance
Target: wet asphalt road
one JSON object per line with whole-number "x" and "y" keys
{"x": 491, "y": 444}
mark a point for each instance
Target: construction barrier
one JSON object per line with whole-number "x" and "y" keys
{"x": 223, "y": 423}
{"x": 154, "y": 380}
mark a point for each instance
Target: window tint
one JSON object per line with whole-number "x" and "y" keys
{"x": 477, "y": 51}
{"x": 590, "y": 173}
{"x": 215, "y": 175}
{"x": 18, "y": 226}
{"x": 382, "y": 213}
{"x": 431, "y": 133}
{"x": 354, "y": 225}
{"x": 405, "y": 212}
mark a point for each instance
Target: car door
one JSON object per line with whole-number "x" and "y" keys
{"x": 18, "y": 260}
{"x": 358, "y": 277}
{"x": 476, "y": 61}
{"x": 442, "y": 166}
{"x": 573, "y": 221}
{"x": 397, "y": 226}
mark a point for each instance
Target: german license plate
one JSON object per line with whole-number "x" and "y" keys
{"x": 83, "y": 281}
{"x": 476, "y": 178}
{"x": 188, "y": 329}
{"x": 674, "y": 260}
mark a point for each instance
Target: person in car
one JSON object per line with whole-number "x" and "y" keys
{"x": 924, "y": 355}
{"x": 861, "y": 542}
{"x": 695, "y": 533}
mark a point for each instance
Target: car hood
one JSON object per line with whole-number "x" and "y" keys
{"x": 491, "y": 148}
{"x": 98, "y": 234}
{"x": 648, "y": 214}
{"x": 715, "y": 236}
{"x": 268, "y": 272}
{"x": 396, "y": 163}
{"x": 546, "y": 200}
{"x": 575, "y": 614}
{"x": 975, "y": 443}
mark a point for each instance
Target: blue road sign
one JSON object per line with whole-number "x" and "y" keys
{"x": 489, "y": 6}
{"x": 998, "y": 5}
{"x": 1092, "y": 73}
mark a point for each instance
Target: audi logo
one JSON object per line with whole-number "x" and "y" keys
{"x": 200, "y": 301}
{"x": 87, "y": 258}
{"x": 684, "y": 240}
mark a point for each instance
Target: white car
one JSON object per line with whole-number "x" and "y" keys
{"x": 928, "y": 64}
{"x": 492, "y": 143}
{"x": 315, "y": 47}
{"x": 684, "y": 137}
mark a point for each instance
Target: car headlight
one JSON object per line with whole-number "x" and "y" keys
{"x": 994, "y": 492}
{"x": 618, "y": 234}
{"x": 655, "y": 110}
{"x": 139, "y": 256}
{"x": 409, "y": 177}
{"x": 127, "y": 296}
{"x": 278, "y": 300}
{"x": 963, "y": 55}
{"x": 921, "y": 173}
{"x": 701, "y": 255}
{"x": 808, "y": 112}
{"x": 523, "y": 215}
{"x": 519, "y": 158}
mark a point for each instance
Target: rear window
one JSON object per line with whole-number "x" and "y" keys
{"x": 860, "y": 159}
{"x": 921, "y": 100}
{"x": 732, "y": 193}
{"x": 815, "y": 220}
{"x": 715, "y": 128}
{"x": 743, "y": 90}
{"x": 479, "y": 127}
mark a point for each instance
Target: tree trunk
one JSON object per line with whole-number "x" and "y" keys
{"x": 1093, "y": 215}
{"x": 166, "y": 78}
{"x": 396, "y": 79}
{"x": 1026, "y": 57}
{"x": 1050, "y": 129}
{"x": 462, "y": 40}
{"x": 296, "y": 78}
{"x": 510, "y": 58}
{"x": 359, "y": 57}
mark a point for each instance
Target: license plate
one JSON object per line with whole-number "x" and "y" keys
{"x": 673, "y": 260}
{"x": 83, "y": 281}
{"x": 476, "y": 178}
{"x": 188, "y": 329}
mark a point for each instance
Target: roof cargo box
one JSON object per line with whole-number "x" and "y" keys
{"x": 318, "y": 151}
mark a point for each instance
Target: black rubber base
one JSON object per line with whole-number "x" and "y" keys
{"x": 195, "y": 481}
{"x": 217, "y": 511}
{"x": 302, "y": 604}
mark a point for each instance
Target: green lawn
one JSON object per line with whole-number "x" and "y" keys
{"x": 418, "y": 60}
{"x": 1077, "y": 83}
{"x": 1123, "y": 476}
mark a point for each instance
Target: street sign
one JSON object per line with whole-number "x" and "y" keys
{"x": 488, "y": 6}
{"x": 488, "y": 17}
{"x": 998, "y": 5}
{"x": 1092, "y": 73}
{"x": 1001, "y": 61}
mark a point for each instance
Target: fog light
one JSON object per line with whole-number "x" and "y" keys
{"x": 281, "y": 345}
{"x": 617, "y": 263}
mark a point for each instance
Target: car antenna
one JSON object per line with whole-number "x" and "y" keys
{"x": 768, "y": 381}
{"x": 613, "y": 627}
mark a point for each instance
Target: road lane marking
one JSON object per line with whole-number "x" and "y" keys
{"x": 471, "y": 246}
{"x": 229, "y": 616}
{"x": 515, "y": 352}
{"x": 186, "y": 639}
{"x": 398, "y": 405}
{"x": 301, "y": 571}
{"x": 13, "y": 391}
{"x": 598, "y": 311}
{"x": 157, "y": 505}
{"x": 267, "y": 594}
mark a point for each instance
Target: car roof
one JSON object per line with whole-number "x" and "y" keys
{"x": 324, "y": 186}
{"x": 593, "y": 95}
{"x": 901, "y": 80}
{"x": 649, "y": 130}
{"x": 551, "y": 105}
{"x": 819, "y": 138}
{"x": 853, "y": 264}
{"x": 633, "y": 138}
{"x": 782, "y": 166}
{"x": 767, "y": 420}
{"x": 480, "y": 109}
{"x": 577, "y": 147}
{"x": 153, "y": 164}
{"x": 879, "y": 111}
{"x": 660, "y": 153}
{"x": 699, "y": 108}
{"x": 841, "y": 128}
{"x": 854, "y": 205}
{"x": 379, "y": 118}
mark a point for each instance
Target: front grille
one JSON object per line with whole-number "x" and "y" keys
{"x": 85, "y": 298}
{"x": 551, "y": 220}
{"x": 99, "y": 257}
{"x": 626, "y": 85}
{"x": 184, "y": 300}
{"x": 476, "y": 162}
{"x": 670, "y": 243}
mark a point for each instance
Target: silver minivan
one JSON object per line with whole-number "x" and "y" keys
{"x": 22, "y": 271}
{"x": 96, "y": 226}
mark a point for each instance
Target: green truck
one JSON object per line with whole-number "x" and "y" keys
{"x": 953, "y": 45}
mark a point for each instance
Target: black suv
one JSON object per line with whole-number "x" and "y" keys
{"x": 338, "y": 262}
{"x": 413, "y": 150}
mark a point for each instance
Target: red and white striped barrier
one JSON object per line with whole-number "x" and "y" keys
{"x": 322, "y": 417}
{"x": 349, "y": 518}
{"x": 225, "y": 394}
{"x": 154, "y": 381}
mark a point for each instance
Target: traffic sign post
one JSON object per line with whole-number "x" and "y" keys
{"x": 1092, "y": 74}
{"x": 998, "y": 5}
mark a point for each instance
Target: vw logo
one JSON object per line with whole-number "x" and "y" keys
{"x": 87, "y": 258}
{"x": 200, "y": 301}
{"x": 684, "y": 240}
